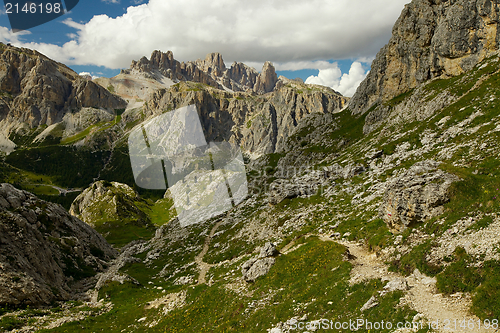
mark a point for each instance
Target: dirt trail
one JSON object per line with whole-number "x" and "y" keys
{"x": 422, "y": 296}
{"x": 203, "y": 266}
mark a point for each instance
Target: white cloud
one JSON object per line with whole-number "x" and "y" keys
{"x": 298, "y": 65}
{"x": 87, "y": 74}
{"x": 346, "y": 83}
{"x": 291, "y": 33}
{"x": 366, "y": 60}
{"x": 7, "y": 36}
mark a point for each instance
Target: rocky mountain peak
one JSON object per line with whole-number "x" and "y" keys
{"x": 211, "y": 71}
{"x": 39, "y": 91}
{"x": 213, "y": 62}
{"x": 266, "y": 81}
{"x": 160, "y": 59}
{"x": 430, "y": 39}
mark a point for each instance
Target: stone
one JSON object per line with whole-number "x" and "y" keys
{"x": 268, "y": 250}
{"x": 416, "y": 195}
{"x": 394, "y": 285}
{"x": 371, "y": 303}
{"x": 260, "y": 265}
{"x": 255, "y": 268}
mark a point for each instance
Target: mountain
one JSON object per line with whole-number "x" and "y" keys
{"x": 431, "y": 39}
{"x": 37, "y": 91}
{"x": 211, "y": 71}
{"x": 45, "y": 253}
{"x": 382, "y": 207}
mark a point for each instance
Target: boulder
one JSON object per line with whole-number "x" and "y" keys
{"x": 260, "y": 265}
{"x": 416, "y": 195}
{"x": 255, "y": 268}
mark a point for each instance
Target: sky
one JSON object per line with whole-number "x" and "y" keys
{"x": 328, "y": 42}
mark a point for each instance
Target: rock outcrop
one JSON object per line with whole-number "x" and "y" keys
{"x": 430, "y": 39}
{"x": 108, "y": 201}
{"x": 44, "y": 251}
{"x": 211, "y": 71}
{"x": 266, "y": 81}
{"x": 260, "y": 265}
{"x": 416, "y": 195}
{"x": 39, "y": 91}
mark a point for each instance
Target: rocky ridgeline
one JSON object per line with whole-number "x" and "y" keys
{"x": 211, "y": 71}
{"x": 430, "y": 39}
{"x": 260, "y": 124}
{"x": 45, "y": 253}
{"x": 39, "y": 91}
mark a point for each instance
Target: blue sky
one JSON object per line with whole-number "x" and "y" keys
{"x": 329, "y": 42}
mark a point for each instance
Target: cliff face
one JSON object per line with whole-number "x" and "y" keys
{"x": 44, "y": 251}
{"x": 432, "y": 38}
{"x": 259, "y": 124}
{"x": 39, "y": 91}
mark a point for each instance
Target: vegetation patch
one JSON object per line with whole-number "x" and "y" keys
{"x": 416, "y": 259}
{"x": 68, "y": 166}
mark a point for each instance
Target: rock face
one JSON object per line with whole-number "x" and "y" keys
{"x": 259, "y": 124}
{"x": 266, "y": 81}
{"x": 108, "y": 201}
{"x": 305, "y": 185}
{"x": 211, "y": 71}
{"x": 260, "y": 265}
{"x": 432, "y": 38}
{"x": 44, "y": 250}
{"x": 415, "y": 196}
{"x": 39, "y": 91}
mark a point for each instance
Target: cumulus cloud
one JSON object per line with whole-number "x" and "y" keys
{"x": 282, "y": 31}
{"x": 346, "y": 83}
{"x": 7, "y": 36}
{"x": 87, "y": 74}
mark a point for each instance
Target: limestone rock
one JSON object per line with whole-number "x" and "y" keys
{"x": 430, "y": 39}
{"x": 260, "y": 265}
{"x": 44, "y": 250}
{"x": 415, "y": 196}
{"x": 268, "y": 250}
{"x": 371, "y": 303}
{"x": 299, "y": 186}
{"x": 108, "y": 201}
{"x": 211, "y": 71}
{"x": 255, "y": 268}
{"x": 260, "y": 126}
{"x": 39, "y": 91}
{"x": 266, "y": 81}
{"x": 394, "y": 285}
